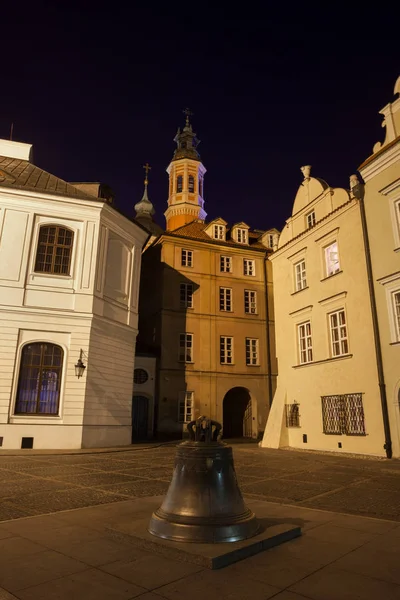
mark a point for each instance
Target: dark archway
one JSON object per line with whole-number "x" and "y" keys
{"x": 140, "y": 417}
{"x": 237, "y": 413}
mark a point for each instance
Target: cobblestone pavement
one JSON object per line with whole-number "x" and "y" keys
{"x": 37, "y": 484}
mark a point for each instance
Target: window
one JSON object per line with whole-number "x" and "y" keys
{"x": 300, "y": 275}
{"x": 39, "y": 381}
{"x": 343, "y": 414}
{"x": 251, "y": 352}
{"x": 186, "y": 347}
{"x": 200, "y": 187}
{"x": 140, "y": 376}
{"x": 54, "y": 250}
{"x": 305, "y": 342}
{"x": 186, "y": 295}
{"x": 292, "y": 415}
{"x": 338, "y": 328}
{"x": 185, "y": 408}
{"x": 218, "y": 232}
{"x": 186, "y": 258}
{"x": 250, "y": 302}
{"x": 179, "y": 183}
{"x": 241, "y": 236}
{"x": 396, "y": 307}
{"x": 225, "y": 264}
{"x": 225, "y": 299}
{"x": 249, "y": 267}
{"x": 332, "y": 259}
{"x": 270, "y": 240}
{"x": 191, "y": 184}
{"x": 226, "y": 350}
{"x": 310, "y": 219}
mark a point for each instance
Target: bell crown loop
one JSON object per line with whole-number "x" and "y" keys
{"x": 204, "y": 430}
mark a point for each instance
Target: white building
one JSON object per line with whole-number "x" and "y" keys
{"x": 69, "y": 283}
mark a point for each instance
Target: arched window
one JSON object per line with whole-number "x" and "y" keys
{"x": 191, "y": 183}
{"x": 54, "y": 250}
{"x": 39, "y": 381}
{"x": 179, "y": 183}
{"x": 140, "y": 376}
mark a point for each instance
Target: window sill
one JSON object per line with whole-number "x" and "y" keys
{"x": 298, "y": 291}
{"x": 186, "y": 362}
{"x": 330, "y": 276}
{"x": 227, "y": 364}
{"x": 248, "y": 314}
{"x": 37, "y": 419}
{"x": 252, "y": 365}
{"x": 395, "y": 343}
{"x": 325, "y": 360}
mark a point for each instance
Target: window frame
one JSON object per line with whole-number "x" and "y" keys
{"x": 185, "y": 401}
{"x": 252, "y": 352}
{"x": 179, "y": 184}
{"x": 226, "y": 350}
{"x": 41, "y": 367}
{"x": 304, "y": 352}
{"x": 242, "y": 235}
{"x": 341, "y": 339}
{"x": 223, "y": 262}
{"x": 186, "y": 258}
{"x": 186, "y": 299}
{"x": 300, "y": 275}
{"x": 54, "y": 246}
{"x": 141, "y": 369}
{"x": 329, "y": 271}
{"x": 340, "y": 414}
{"x": 249, "y": 262}
{"x": 225, "y": 299}
{"x": 310, "y": 219}
{"x": 191, "y": 184}
{"x": 185, "y": 348}
{"x": 218, "y": 232}
{"x": 395, "y": 304}
{"x": 248, "y": 302}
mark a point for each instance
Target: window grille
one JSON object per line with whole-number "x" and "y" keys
{"x": 343, "y": 414}
{"x": 225, "y": 264}
{"x": 292, "y": 415}
{"x": 54, "y": 250}
{"x": 187, "y": 258}
{"x": 186, "y": 295}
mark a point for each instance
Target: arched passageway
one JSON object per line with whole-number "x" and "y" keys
{"x": 237, "y": 413}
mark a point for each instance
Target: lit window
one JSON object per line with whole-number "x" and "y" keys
{"x": 249, "y": 267}
{"x": 218, "y": 232}
{"x": 225, "y": 264}
{"x": 396, "y": 306}
{"x": 310, "y": 219}
{"x": 225, "y": 299}
{"x": 305, "y": 342}
{"x": 140, "y": 376}
{"x": 241, "y": 236}
{"x": 179, "y": 183}
{"x": 186, "y": 295}
{"x": 343, "y": 414}
{"x": 187, "y": 258}
{"x": 185, "y": 408}
{"x": 332, "y": 259}
{"x": 226, "y": 350}
{"x": 186, "y": 347}
{"x": 39, "y": 381}
{"x": 338, "y": 329}
{"x": 300, "y": 274}
{"x": 54, "y": 250}
{"x": 191, "y": 184}
{"x": 250, "y": 302}
{"x": 251, "y": 352}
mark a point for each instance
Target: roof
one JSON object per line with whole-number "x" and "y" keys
{"x": 196, "y": 231}
{"x": 23, "y": 175}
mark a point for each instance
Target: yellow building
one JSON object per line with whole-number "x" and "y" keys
{"x": 381, "y": 174}
{"x": 327, "y": 395}
{"x": 206, "y": 310}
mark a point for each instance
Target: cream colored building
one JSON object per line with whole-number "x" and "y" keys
{"x": 327, "y": 396}
{"x": 69, "y": 287}
{"x": 381, "y": 174}
{"x": 206, "y": 310}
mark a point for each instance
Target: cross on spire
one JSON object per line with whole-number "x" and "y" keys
{"x": 188, "y": 113}
{"x": 147, "y": 168}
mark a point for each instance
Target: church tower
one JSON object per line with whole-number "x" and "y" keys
{"x": 186, "y": 180}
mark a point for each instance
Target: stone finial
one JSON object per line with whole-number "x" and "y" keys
{"x": 354, "y": 181}
{"x": 306, "y": 171}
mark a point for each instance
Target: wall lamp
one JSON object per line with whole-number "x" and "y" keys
{"x": 80, "y": 367}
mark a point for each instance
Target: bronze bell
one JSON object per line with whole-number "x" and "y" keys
{"x": 204, "y": 502}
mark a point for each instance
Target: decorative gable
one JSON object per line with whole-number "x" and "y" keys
{"x": 240, "y": 233}
{"x": 216, "y": 230}
{"x": 270, "y": 239}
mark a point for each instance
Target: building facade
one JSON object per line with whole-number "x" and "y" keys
{"x": 206, "y": 310}
{"x": 69, "y": 284}
{"x": 327, "y": 396}
{"x": 381, "y": 174}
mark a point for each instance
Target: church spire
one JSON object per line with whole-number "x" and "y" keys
{"x": 186, "y": 140}
{"x": 144, "y": 208}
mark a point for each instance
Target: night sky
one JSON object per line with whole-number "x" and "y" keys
{"x": 98, "y": 89}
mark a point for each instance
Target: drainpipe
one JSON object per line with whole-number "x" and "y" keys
{"x": 358, "y": 190}
{"x": 268, "y": 332}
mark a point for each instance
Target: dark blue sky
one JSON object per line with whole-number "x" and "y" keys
{"x": 98, "y": 90}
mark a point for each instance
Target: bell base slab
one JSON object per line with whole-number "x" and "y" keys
{"x": 210, "y": 556}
